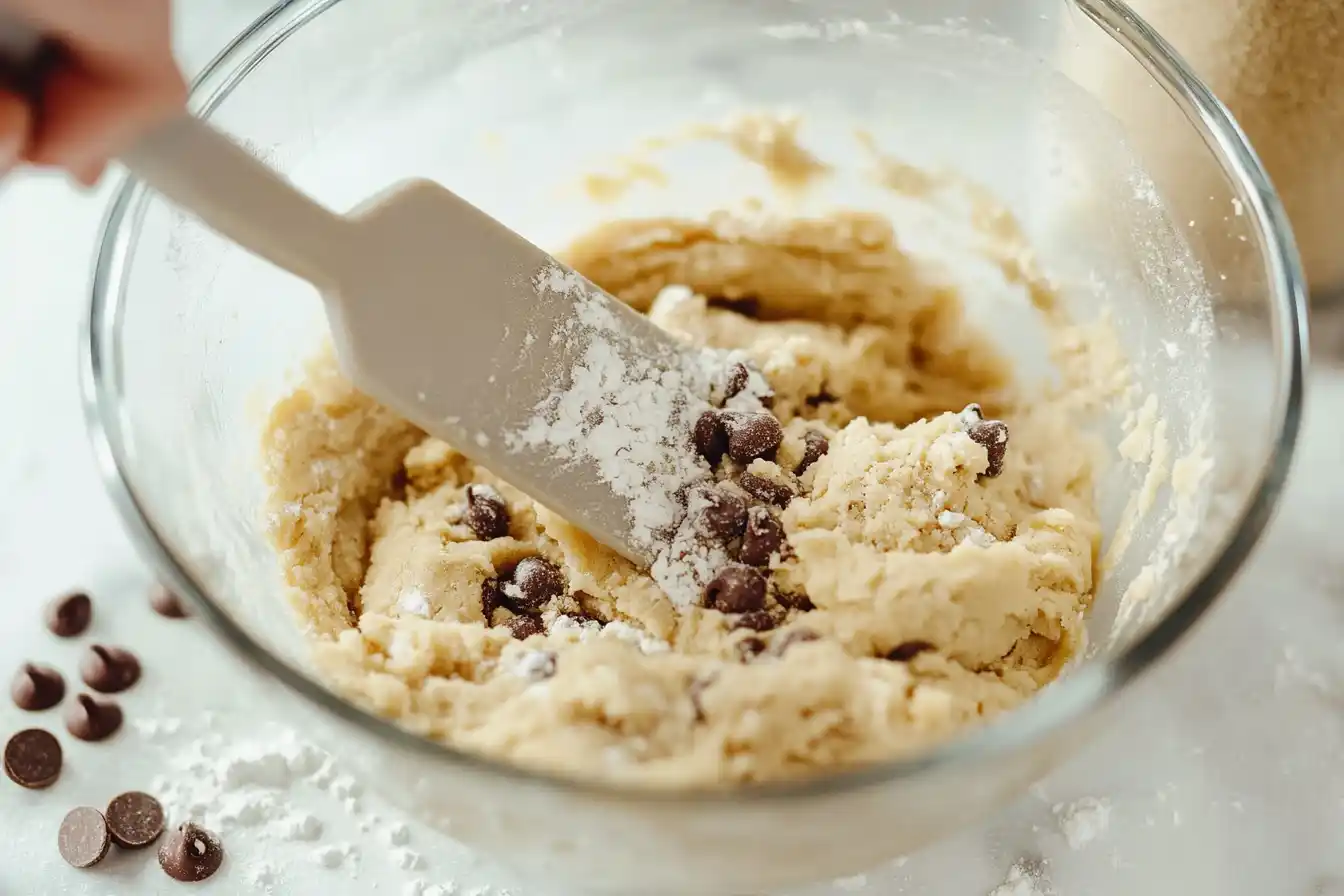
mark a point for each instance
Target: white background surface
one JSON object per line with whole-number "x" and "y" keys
{"x": 1222, "y": 769}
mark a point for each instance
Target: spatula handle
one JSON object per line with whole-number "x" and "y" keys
{"x": 198, "y": 168}
{"x": 204, "y": 172}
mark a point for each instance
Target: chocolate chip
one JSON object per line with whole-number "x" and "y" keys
{"x": 191, "y": 853}
{"x": 993, "y": 435}
{"x": 711, "y": 439}
{"x": 487, "y": 512}
{"x": 736, "y": 381}
{"x": 109, "y": 670}
{"x": 764, "y": 536}
{"x": 70, "y": 614}
{"x": 815, "y": 446}
{"x": 91, "y": 719}
{"x": 749, "y": 648}
{"x": 724, "y": 514}
{"x": 736, "y": 589}
{"x": 524, "y": 627}
{"x": 492, "y": 596}
{"x": 766, "y": 490}
{"x": 757, "y": 621}
{"x": 33, "y": 759}
{"x": 37, "y": 687}
{"x": 83, "y": 839}
{"x": 790, "y": 600}
{"x": 134, "y": 819}
{"x": 534, "y": 582}
{"x": 164, "y": 601}
{"x": 751, "y": 435}
{"x": 792, "y": 637}
{"x": 908, "y": 650}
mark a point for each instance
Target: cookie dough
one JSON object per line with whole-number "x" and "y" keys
{"x": 918, "y": 557}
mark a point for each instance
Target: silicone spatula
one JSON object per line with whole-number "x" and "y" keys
{"x": 452, "y": 320}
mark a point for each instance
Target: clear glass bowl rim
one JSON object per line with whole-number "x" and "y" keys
{"x": 1065, "y": 701}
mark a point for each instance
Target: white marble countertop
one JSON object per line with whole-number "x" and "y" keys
{"x": 1221, "y": 771}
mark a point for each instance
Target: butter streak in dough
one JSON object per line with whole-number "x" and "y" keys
{"x": 897, "y": 537}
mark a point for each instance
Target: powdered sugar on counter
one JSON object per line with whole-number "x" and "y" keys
{"x": 631, "y": 417}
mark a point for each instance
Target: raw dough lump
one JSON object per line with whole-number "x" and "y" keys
{"x": 933, "y": 570}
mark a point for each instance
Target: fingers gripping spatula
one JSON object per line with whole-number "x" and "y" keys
{"x": 466, "y": 329}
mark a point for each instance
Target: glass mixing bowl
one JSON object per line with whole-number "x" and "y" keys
{"x": 507, "y": 103}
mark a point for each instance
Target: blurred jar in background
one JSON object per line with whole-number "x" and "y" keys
{"x": 1279, "y": 66}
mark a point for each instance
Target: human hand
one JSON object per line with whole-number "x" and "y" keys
{"x": 113, "y": 78}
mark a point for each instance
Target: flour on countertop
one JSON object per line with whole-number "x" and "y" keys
{"x": 1083, "y": 820}
{"x": 1024, "y": 879}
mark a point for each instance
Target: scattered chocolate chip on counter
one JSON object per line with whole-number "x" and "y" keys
{"x": 993, "y": 435}
{"x": 91, "y": 719}
{"x": 69, "y": 615}
{"x": 165, "y": 601}
{"x": 908, "y": 650}
{"x": 751, "y": 435}
{"x": 191, "y": 854}
{"x": 33, "y": 759}
{"x": 736, "y": 589}
{"x": 723, "y": 515}
{"x": 534, "y": 582}
{"x": 815, "y": 447}
{"x": 711, "y": 439}
{"x": 763, "y": 537}
{"x": 487, "y": 512}
{"x": 109, "y": 670}
{"x": 83, "y": 839}
{"x": 767, "y": 490}
{"x": 524, "y": 627}
{"x": 134, "y": 819}
{"x": 37, "y": 687}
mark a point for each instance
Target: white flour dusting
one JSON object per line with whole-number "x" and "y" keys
{"x": 1083, "y": 820}
{"x": 1023, "y": 879}
{"x": 630, "y": 415}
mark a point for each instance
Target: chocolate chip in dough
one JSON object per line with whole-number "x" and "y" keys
{"x": 767, "y": 490}
{"x": 815, "y": 446}
{"x": 711, "y": 439}
{"x": 737, "y": 380}
{"x": 908, "y": 650}
{"x": 795, "y": 600}
{"x": 492, "y": 596}
{"x": 993, "y": 435}
{"x": 70, "y": 614}
{"x": 724, "y": 514}
{"x": 91, "y": 719}
{"x": 524, "y": 627}
{"x": 487, "y": 512}
{"x": 134, "y": 819}
{"x": 191, "y": 854}
{"x": 751, "y": 435}
{"x": 749, "y": 648}
{"x": 164, "y": 601}
{"x": 109, "y": 670}
{"x": 534, "y": 582}
{"x": 37, "y": 687}
{"x": 33, "y": 759}
{"x": 736, "y": 589}
{"x": 83, "y": 839}
{"x": 756, "y": 621}
{"x": 764, "y": 536}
